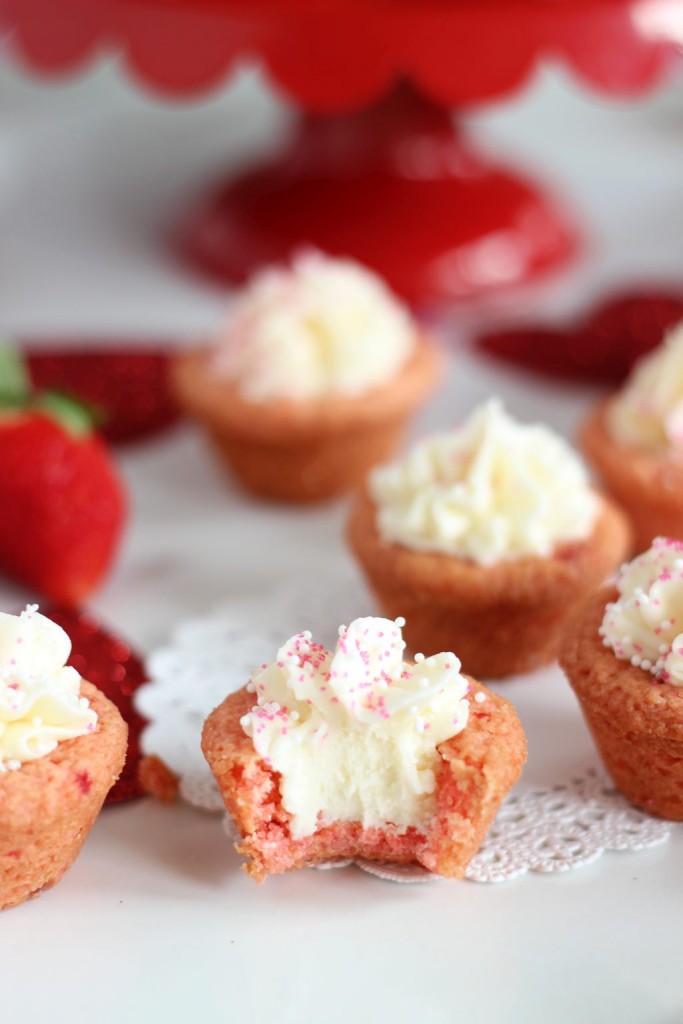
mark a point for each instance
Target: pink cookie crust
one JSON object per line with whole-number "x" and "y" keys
{"x": 636, "y": 720}
{"x": 647, "y": 485}
{"x": 477, "y": 769}
{"x": 48, "y": 806}
{"x": 304, "y": 451}
{"x": 500, "y": 619}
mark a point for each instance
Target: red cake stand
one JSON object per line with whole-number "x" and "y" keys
{"x": 376, "y": 169}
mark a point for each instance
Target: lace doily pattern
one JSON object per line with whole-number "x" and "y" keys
{"x": 553, "y": 829}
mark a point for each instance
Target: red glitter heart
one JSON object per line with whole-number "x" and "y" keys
{"x": 129, "y": 384}
{"x": 110, "y": 665}
{"x": 603, "y": 347}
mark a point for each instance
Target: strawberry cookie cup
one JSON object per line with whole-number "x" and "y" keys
{"x": 624, "y": 660}
{"x": 316, "y": 376}
{"x": 634, "y": 441}
{"x": 357, "y": 754}
{"x": 56, "y": 767}
{"x": 488, "y": 540}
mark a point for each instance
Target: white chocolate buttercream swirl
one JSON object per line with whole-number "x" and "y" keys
{"x": 353, "y": 733}
{"x": 645, "y": 624}
{"x": 648, "y": 412}
{"x": 40, "y": 702}
{"x": 322, "y": 327}
{"x": 493, "y": 490}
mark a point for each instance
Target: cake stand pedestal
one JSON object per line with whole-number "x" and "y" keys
{"x": 376, "y": 169}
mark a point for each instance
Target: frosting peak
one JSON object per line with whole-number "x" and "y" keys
{"x": 648, "y": 412}
{"x": 40, "y": 702}
{"x": 490, "y": 491}
{"x": 353, "y": 733}
{"x": 645, "y": 624}
{"x": 323, "y": 326}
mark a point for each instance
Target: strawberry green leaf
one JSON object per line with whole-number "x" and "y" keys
{"x": 76, "y": 417}
{"x": 15, "y": 385}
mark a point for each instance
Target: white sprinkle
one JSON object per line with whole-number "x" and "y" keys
{"x": 646, "y": 664}
{"x": 419, "y": 657}
{"x": 605, "y": 642}
{"x": 663, "y": 648}
{"x": 480, "y": 697}
{"x": 294, "y": 715}
{"x": 400, "y": 622}
{"x": 251, "y": 687}
{"x": 245, "y": 721}
{"x": 307, "y": 634}
{"x": 342, "y": 630}
{"x": 635, "y": 661}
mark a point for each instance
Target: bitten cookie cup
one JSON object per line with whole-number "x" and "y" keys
{"x": 636, "y": 721}
{"x": 48, "y": 806}
{"x": 477, "y": 768}
{"x": 647, "y": 485}
{"x": 501, "y": 619}
{"x": 307, "y": 450}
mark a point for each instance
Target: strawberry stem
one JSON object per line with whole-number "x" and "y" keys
{"x": 70, "y": 413}
{"x": 17, "y": 394}
{"x": 15, "y": 384}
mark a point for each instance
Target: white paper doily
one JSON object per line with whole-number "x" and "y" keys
{"x": 564, "y": 826}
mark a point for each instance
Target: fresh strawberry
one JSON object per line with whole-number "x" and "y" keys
{"x": 129, "y": 385}
{"x": 108, "y": 663}
{"x": 602, "y": 348}
{"x": 62, "y": 504}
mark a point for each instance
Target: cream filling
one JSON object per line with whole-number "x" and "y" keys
{"x": 648, "y": 412}
{"x": 493, "y": 490}
{"x": 353, "y": 734}
{"x": 323, "y": 327}
{"x": 40, "y": 701}
{"x": 645, "y": 624}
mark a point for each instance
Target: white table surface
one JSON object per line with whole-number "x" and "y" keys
{"x": 156, "y": 921}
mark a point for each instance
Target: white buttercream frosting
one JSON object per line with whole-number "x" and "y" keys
{"x": 645, "y": 624}
{"x": 40, "y": 702}
{"x": 353, "y": 733}
{"x": 324, "y": 326}
{"x": 648, "y": 412}
{"x": 493, "y": 490}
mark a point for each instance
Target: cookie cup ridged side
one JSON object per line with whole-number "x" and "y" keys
{"x": 636, "y": 721}
{"x": 477, "y": 768}
{"x": 649, "y": 487}
{"x": 309, "y": 450}
{"x": 499, "y": 619}
{"x": 49, "y": 805}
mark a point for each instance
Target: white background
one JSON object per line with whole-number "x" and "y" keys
{"x": 155, "y": 921}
